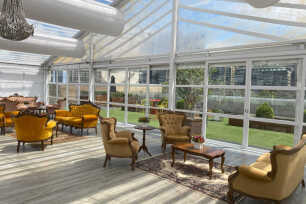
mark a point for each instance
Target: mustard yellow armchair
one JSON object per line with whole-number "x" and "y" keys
{"x": 33, "y": 128}
{"x": 172, "y": 129}
{"x": 6, "y": 118}
{"x": 118, "y": 144}
{"x": 83, "y": 116}
{"x": 274, "y": 176}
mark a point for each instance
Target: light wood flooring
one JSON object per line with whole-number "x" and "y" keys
{"x": 73, "y": 173}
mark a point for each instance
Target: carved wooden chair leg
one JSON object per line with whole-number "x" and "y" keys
{"x": 71, "y": 129}
{"x": 52, "y": 139}
{"x": 18, "y": 146}
{"x": 42, "y": 145}
{"x": 62, "y": 127}
{"x": 105, "y": 162}
{"x": 133, "y": 163}
{"x": 56, "y": 129}
{"x": 303, "y": 183}
{"x": 165, "y": 146}
{"x": 230, "y": 197}
{"x": 81, "y": 131}
{"x": 96, "y": 130}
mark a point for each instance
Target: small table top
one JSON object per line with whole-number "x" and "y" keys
{"x": 206, "y": 151}
{"x": 144, "y": 127}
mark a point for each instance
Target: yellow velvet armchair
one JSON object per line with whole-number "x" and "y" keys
{"x": 33, "y": 128}
{"x": 118, "y": 144}
{"x": 6, "y": 118}
{"x": 172, "y": 129}
{"x": 83, "y": 116}
{"x": 274, "y": 176}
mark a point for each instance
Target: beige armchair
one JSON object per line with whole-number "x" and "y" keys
{"x": 118, "y": 144}
{"x": 274, "y": 176}
{"x": 172, "y": 129}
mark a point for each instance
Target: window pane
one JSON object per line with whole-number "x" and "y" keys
{"x": 227, "y": 74}
{"x": 265, "y": 73}
{"x": 266, "y": 135}
{"x": 117, "y": 76}
{"x": 101, "y": 76}
{"x": 159, "y": 96}
{"x": 218, "y": 128}
{"x": 62, "y": 76}
{"x": 134, "y": 114}
{"x": 101, "y": 93}
{"x": 117, "y": 94}
{"x": 84, "y": 92}
{"x": 189, "y": 98}
{"x": 159, "y": 76}
{"x": 73, "y": 91}
{"x": 73, "y": 76}
{"x": 52, "y": 76}
{"x": 103, "y": 110}
{"x": 117, "y": 112}
{"x": 273, "y": 104}
{"x": 190, "y": 74}
{"x": 137, "y": 95}
{"x": 52, "y": 100}
{"x": 52, "y": 90}
{"x": 84, "y": 76}
{"x": 62, "y": 91}
{"x": 226, "y": 101}
{"x": 72, "y": 101}
{"x": 138, "y": 76}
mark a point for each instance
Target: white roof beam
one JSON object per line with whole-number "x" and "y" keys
{"x": 244, "y": 32}
{"x": 247, "y": 17}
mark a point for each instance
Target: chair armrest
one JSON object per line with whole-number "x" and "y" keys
{"x": 90, "y": 117}
{"x": 11, "y": 114}
{"x": 163, "y": 129}
{"x": 282, "y": 147}
{"x": 119, "y": 141}
{"x": 51, "y": 124}
{"x": 62, "y": 113}
{"x": 254, "y": 173}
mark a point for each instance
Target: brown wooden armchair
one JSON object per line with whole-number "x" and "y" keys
{"x": 118, "y": 144}
{"x": 172, "y": 129}
{"x": 274, "y": 176}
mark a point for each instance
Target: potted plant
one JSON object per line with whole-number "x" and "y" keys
{"x": 197, "y": 141}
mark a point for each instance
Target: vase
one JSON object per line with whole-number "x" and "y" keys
{"x": 196, "y": 145}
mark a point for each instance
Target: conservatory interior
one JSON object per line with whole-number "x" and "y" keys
{"x": 153, "y": 101}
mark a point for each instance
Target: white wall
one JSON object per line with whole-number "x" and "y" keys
{"x": 22, "y": 79}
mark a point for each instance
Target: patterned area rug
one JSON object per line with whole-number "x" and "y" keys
{"x": 62, "y": 137}
{"x": 193, "y": 173}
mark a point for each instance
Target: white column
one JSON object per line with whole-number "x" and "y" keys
{"x": 247, "y": 103}
{"x": 46, "y": 85}
{"x": 300, "y": 94}
{"x": 126, "y": 99}
{"x": 205, "y": 101}
{"x": 91, "y": 85}
{"x": 172, "y": 77}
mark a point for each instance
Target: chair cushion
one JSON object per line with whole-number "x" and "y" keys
{"x": 262, "y": 166}
{"x": 264, "y": 158}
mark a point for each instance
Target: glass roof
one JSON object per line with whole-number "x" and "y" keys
{"x": 40, "y": 28}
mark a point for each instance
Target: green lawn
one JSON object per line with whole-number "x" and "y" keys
{"x": 219, "y": 130}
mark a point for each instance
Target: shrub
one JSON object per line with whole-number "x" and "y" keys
{"x": 180, "y": 104}
{"x": 265, "y": 111}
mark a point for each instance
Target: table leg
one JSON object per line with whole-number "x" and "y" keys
{"x": 173, "y": 156}
{"x": 222, "y": 163}
{"x": 211, "y": 165}
{"x": 185, "y": 155}
{"x": 143, "y": 146}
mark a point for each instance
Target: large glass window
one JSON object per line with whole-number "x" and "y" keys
{"x": 227, "y": 74}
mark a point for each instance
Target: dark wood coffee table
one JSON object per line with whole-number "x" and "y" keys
{"x": 209, "y": 153}
{"x": 144, "y": 128}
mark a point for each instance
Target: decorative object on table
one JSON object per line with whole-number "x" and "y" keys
{"x": 261, "y": 3}
{"x": 192, "y": 174}
{"x": 144, "y": 120}
{"x": 144, "y": 128}
{"x": 13, "y": 25}
{"x": 197, "y": 141}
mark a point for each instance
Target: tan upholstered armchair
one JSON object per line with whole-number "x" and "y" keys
{"x": 172, "y": 129}
{"x": 118, "y": 144}
{"x": 274, "y": 176}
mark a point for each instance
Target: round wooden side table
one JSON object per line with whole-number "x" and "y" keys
{"x": 144, "y": 128}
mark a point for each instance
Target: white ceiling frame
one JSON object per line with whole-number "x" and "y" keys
{"x": 282, "y": 5}
{"x": 244, "y": 32}
{"x": 138, "y": 33}
{"x": 132, "y": 27}
{"x": 240, "y": 16}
